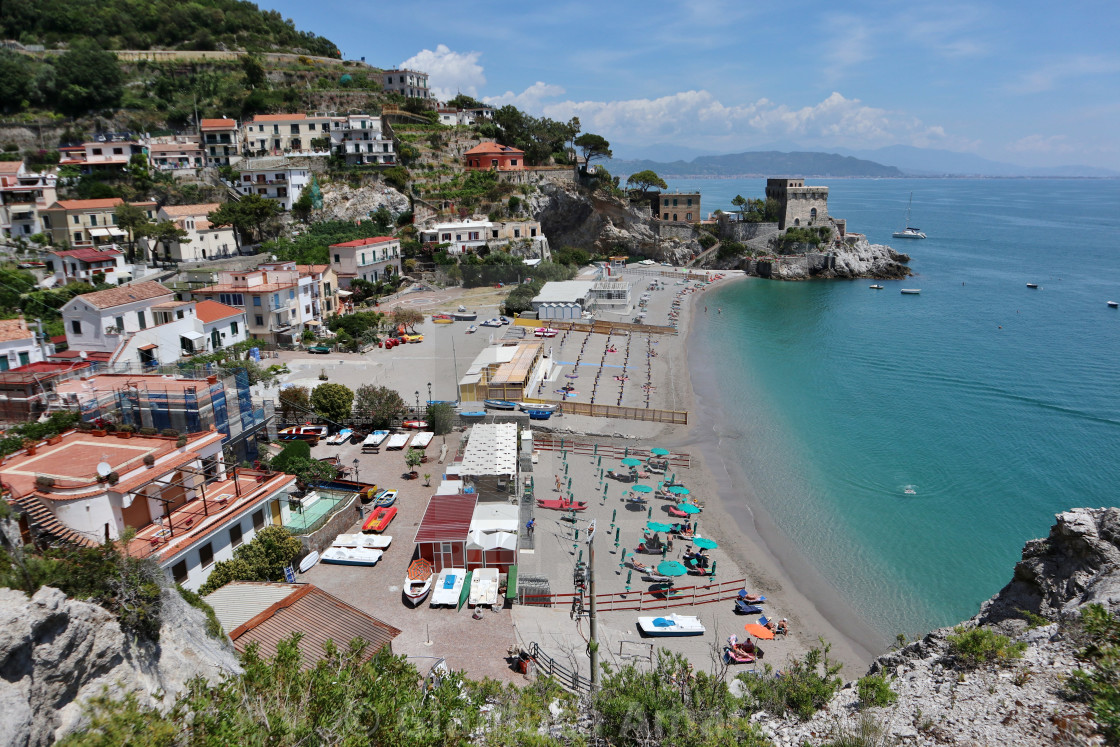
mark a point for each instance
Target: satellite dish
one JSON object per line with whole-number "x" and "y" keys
{"x": 82, "y": 354}
{"x": 104, "y": 468}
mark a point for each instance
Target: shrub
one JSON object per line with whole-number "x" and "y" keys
{"x": 263, "y": 559}
{"x": 730, "y": 250}
{"x": 875, "y": 691}
{"x": 113, "y": 478}
{"x": 976, "y": 646}
{"x": 148, "y": 432}
{"x": 707, "y": 241}
{"x": 801, "y": 689}
{"x": 44, "y": 482}
{"x": 1098, "y": 684}
{"x": 169, "y": 432}
{"x": 181, "y": 441}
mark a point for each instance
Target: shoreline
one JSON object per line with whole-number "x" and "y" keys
{"x": 756, "y": 544}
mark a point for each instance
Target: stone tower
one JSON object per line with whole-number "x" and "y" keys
{"x": 798, "y": 205}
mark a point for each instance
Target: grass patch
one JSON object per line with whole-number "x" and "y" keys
{"x": 1098, "y": 684}
{"x": 977, "y": 646}
{"x": 875, "y": 691}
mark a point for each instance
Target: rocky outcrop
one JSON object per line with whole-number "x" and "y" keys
{"x": 570, "y": 216}
{"x": 854, "y": 258}
{"x": 56, "y": 653}
{"x": 1018, "y": 704}
{"x": 343, "y": 202}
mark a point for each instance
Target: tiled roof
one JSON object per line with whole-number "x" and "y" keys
{"x": 365, "y": 242}
{"x": 278, "y": 117}
{"x": 180, "y": 211}
{"x": 123, "y": 294}
{"x": 95, "y": 204}
{"x": 312, "y": 269}
{"x": 88, "y": 254}
{"x": 218, "y": 124}
{"x": 483, "y": 148}
{"x": 250, "y": 290}
{"x": 14, "y": 329}
{"x": 211, "y": 311}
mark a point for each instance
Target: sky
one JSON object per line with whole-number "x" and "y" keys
{"x": 1025, "y": 82}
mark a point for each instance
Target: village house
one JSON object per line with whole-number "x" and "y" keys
{"x": 78, "y": 223}
{"x": 359, "y": 138}
{"x": 203, "y": 240}
{"x": 18, "y": 346}
{"x": 472, "y": 235}
{"x": 409, "y": 83}
{"x": 107, "y": 155}
{"x": 463, "y": 117}
{"x": 188, "y": 507}
{"x": 676, "y": 206}
{"x": 29, "y": 391}
{"x": 221, "y": 325}
{"x": 221, "y": 138}
{"x": 274, "y": 178}
{"x": 23, "y": 195}
{"x": 324, "y": 291}
{"x": 93, "y": 265}
{"x": 269, "y": 298}
{"x": 494, "y": 157}
{"x": 371, "y": 260}
{"x": 276, "y": 134}
{"x": 183, "y": 153}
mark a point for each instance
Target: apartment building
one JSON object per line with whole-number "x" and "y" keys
{"x": 80, "y": 223}
{"x": 276, "y": 134}
{"x": 221, "y": 139}
{"x": 324, "y": 291}
{"x": 410, "y": 83}
{"x": 203, "y": 240}
{"x": 102, "y": 155}
{"x": 471, "y": 235}
{"x": 371, "y": 259}
{"x": 676, "y": 206}
{"x": 359, "y": 138}
{"x": 181, "y": 153}
{"x": 89, "y": 264}
{"x": 274, "y": 178}
{"x": 23, "y": 196}
{"x": 269, "y": 298}
{"x": 18, "y": 346}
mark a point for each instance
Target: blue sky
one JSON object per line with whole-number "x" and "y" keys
{"x": 1027, "y": 82}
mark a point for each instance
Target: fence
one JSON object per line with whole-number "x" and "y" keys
{"x": 543, "y": 441}
{"x": 569, "y": 679}
{"x": 670, "y": 597}
{"x": 600, "y": 327}
{"x": 676, "y": 417}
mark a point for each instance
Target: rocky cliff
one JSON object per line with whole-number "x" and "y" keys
{"x": 343, "y": 202}
{"x": 56, "y": 653}
{"x": 570, "y": 216}
{"x": 1019, "y": 703}
{"x": 855, "y": 258}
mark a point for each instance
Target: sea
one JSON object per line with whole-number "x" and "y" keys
{"x": 908, "y": 445}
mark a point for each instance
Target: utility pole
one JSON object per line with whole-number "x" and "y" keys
{"x": 42, "y": 339}
{"x": 593, "y": 645}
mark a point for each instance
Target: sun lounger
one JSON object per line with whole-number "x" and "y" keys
{"x": 746, "y": 608}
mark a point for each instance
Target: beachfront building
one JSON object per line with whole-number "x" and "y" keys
{"x": 682, "y": 207}
{"x": 509, "y": 372}
{"x": 459, "y": 236}
{"x": 87, "y": 264}
{"x": 268, "y": 296}
{"x": 189, "y": 509}
{"x": 203, "y": 241}
{"x": 459, "y": 530}
{"x": 490, "y": 465}
{"x": 266, "y": 613}
{"x": 23, "y": 195}
{"x": 276, "y": 134}
{"x": 323, "y": 290}
{"x": 220, "y": 325}
{"x": 798, "y": 205}
{"x": 221, "y": 138}
{"x": 412, "y": 84}
{"x": 360, "y": 140}
{"x": 372, "y": 259}
{"x": 571, "y": 299}
{"x": 78, "y": 223}
{"x": 492, "y": 156}
{"x": 274, "y": 178}
{"x": 18, "y": 346}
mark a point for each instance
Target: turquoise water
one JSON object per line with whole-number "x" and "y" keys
{"x": 997, "y": 404}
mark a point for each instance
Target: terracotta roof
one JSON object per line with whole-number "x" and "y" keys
{"x": 107, "y": 299}
{"x": 447, "y": 518}
{"x": 483, "y": 148}
{"x": 278, "y": 117}
{"x": 88, "y": 254}
{"x": 14, "y": 329}
{"x": 319, "y": 616}
{"x": 256, "y": 289}
{"x": 365, "y": 242}
{"x": 10, "y": 167}
{"x": 218, "y": 124}
{"x": 312, "y": 269}
{"x": 179, "y": 211}
{"x": 211, "y": 311}
{"x": 95, "y": 204}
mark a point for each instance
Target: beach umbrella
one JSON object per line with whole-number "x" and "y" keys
{"x": 659, "y": 452}
{"x": 649, "y": 514}
{"x": 631, "y": 462}
{"x": 704, "y": 542}
{"x": 642, "y": 489}
{"x": 688, "y": 508}
{"x": 664, "y": 550}
{"x": 614, "y": 515}
{"x": 629, "y": 573}
{"x": 713, "y": 572}
{"x": 596, "y": 451}
{"x": 673, "y": 477}
{"x": 657, "y": 526}
{"x": 626, "y": 452}
{"x": 673, "y": 568}
{"x": 759, "y": 631}
{"x": 679, "y": 490}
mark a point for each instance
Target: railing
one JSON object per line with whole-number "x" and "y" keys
{"x": 668, "y": 597}
{"x": 621, "y": 412}
{"x": 679, "y": 460}
{"x": 599, "y": 327}
{"x": 546, "y": 665}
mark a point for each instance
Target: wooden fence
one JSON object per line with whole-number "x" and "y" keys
{"x": 611, "y": 449}
{"x": 598, "y": 327}
{"x": 676, "y": 417}
{"x": 639, "y": 601}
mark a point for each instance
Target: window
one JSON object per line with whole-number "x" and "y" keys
{"x": 291, "y": 294}
{"x": 294, "y": 129}
{"x": 77, "y": 220}
{"x": 674, "y": 216}
{"x": 674, "y": 202}
{"x": 93, "y": 220}
{"x": 118, "y": 151}
{"x": 813, "y": 213}
{"x": 77, "y": 237}
{"x": 688, "y": 216}
{"x": 258, "y": 519}
{"x": 275, "y": 300}
{"x": 120, "y": 323}
{"x": 256, "y": 300}
{"x": 179, "y": 572}
{"x": 666, "y": 217}
{"x": 326, "y": 289}
{"x": 24, "y": 359}
{"x": 76, "y": 327}
{"x": 235, "y": 535}
{"x": 233, "y": 328}
{"x": 178, "y": 313}
{"x": 336, "y": 259}
{"x": 231, "y": 299}
{"x": 690, "y": 202}
{"x": 311, "y": 126}
{"x": 140, "y": 318}
{"x": 517, "y": 233}
{"x": 260, "y": 320}
{"x": 96, "y": 151}
{"x": 513, "y": 162}
{"x": 206, "y": 555}
{"x": 532, "y": 232}
{"x": 493, "y": 163}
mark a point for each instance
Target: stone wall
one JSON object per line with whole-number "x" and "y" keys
{"x": 741, "y": 231}
{"x": 802, "y": 201}
{"x": 321, "y": 539}
{"x": 534, "y": 175}
{"x": 671, "y": 230}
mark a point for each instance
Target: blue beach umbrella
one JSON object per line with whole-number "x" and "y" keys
{"x": 659, "y": 452}
{"x": 657, "y": 526}
{"x": 688, "y": 508}
{"x": 678, "y": 490}
{"x": 631, "y": 462}
{"x": 642, "y": 489}
{"x": 704, "y": 542}
{"x": 671, "y": 568}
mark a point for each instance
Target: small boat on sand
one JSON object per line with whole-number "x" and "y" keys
{"x": 363, "y": 541}
{"x": 379, "y": 520}
{"x": 417, "y": 582}
{"x": 442, "y": 319}
{"x": 499, "y": 404}
{"x": 473, "y": 414}
{"x": 671, "y": 625}
{"x": 462, "y": 315}
{"x": 308, "y": 561}
{"x": 351, "y": 556}
{"x": 448, "y": 587}
{"x": 385, "y": 499}
{"x": 526, "y": 406}
{"x": 472, "y": 329}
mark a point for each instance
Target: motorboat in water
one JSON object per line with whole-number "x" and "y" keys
{"x": 1113, "y": 304}
{"x": 1032, "y": 285}
{"x": 877, "y": 287}
{"x": 911, "y": 291}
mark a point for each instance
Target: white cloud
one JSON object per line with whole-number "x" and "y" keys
{"x": 448, "y": 72}
{"x": 699, "y": 119}
{"x": 1041, "y": 144}
{"x": 1047, "y": 78}
{"x": 530, "y": 99}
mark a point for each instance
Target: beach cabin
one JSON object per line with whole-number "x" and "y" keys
{"x": 442, "y": 536}
{"x": 505, "y": 372}
{"x": 490, "y": 463}
{"x": 492, "y": 537}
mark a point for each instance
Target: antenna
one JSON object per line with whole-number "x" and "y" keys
{"x": 104, "y": 468}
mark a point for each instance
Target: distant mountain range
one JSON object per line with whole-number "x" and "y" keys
{"x": 891, "y": 161}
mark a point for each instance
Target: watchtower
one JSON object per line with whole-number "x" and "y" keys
{"x": 798, "y": 205}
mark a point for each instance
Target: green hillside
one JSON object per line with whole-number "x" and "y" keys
{"x": 158, "y": 24}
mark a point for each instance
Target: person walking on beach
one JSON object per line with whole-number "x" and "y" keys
{"x": 530, "y": 526}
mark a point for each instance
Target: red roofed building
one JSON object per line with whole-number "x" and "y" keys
{"x": 78, "y": 223}
{"x": 203, "y": 240}
{"x": 269, "y": 297}
{"x": 90, "y": 264}
{"x": 276, "y": 134}
{"x": 494, "y": 157}
{"x": 223, "y": 325}
{"x": 221, "y": 138}
{"x": 444, "y": 530}
{"x": 17, "y": 344}
{"x": 372, "y": 259}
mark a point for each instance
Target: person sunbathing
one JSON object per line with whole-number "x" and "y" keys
{"x": 747, "y": 597}
{"x": 640, "y": 567}
{"x": 781, "y": 627}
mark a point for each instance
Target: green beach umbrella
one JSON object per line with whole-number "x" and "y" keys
{"x": 649, "y": 514}
{"x": 631, "y": 462}
{"x": 614, "y": 515}
{"x": 659, "y": 452}
{"x": 678, "y": 490}
{"x": 713, "y": 573}
{"x": 671, "y": 568}
{"x": 629, "y": 573}
{"x": 704, "y": 542}
{"x": 688, "y": 508}
{"x": 626, "y": 452}
{"x": 642, "y": 489}
{"x": 596, "y": 451}
{"x": 657, "y": 526}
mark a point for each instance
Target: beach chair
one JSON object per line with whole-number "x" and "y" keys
{"x": 743, "y": 607}
{"x": 765, "y": 622}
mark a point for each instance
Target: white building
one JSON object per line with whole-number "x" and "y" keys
{"x": 99, "y": 321}
{"x": 23, "y": 194}
{"x": 571, "y": 299}
{"x": 203, "y": 240}
{"x": 18, "y": 346}
{"x": 274, "y": 178}
{"x": 371, "y": 259}
{"x": 410, "y": 83}
{"x": 360, "y": 139}
{"x": 461, "y": 236}
{"x": 277, "y": 134}
{"x": 269, "y": 295}
{"x": 91, "y": 265}
{"x": 222, "y": 140}
{"x": 221, "y": 325}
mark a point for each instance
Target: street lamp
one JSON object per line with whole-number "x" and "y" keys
{"x": 355, "y": 469}
{"x": 417, "y": 393}
{"x": 429, "y": 392}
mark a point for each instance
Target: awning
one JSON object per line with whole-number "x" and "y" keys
{"x": 107, "y": 231}
{"x": 147, "y": 347}
{"x": 345, "y": 293}
{"x": 311, "y": 323}
{"x": 194, "y": 335}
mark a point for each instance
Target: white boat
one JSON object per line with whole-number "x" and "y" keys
{"x": 1032, "y": 285}
{"x": 472, "y": 329}
{"x": 526, "y": 406}
{"x": 484, "y": 587}
{"x": 418, "y": 581}
{"x": 671, "y": 625}
{"x": 422, "y": 439}
{"x": 491, "y": 323}
{"x": 877, "y": 287}
{"x": 308, "y": 561}
{"x": 1113, "y": 304}
{"x": 911, "y": 291}
{"x": 448, "y": 587}
{"x": 397, "y": 441}
{"x": 340, "y": 438}
{"x": 909, "y": 232}
{"x": 351, "y": 556}
{"x": 363, "y": 541}
{"x": 374, "y": 439}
